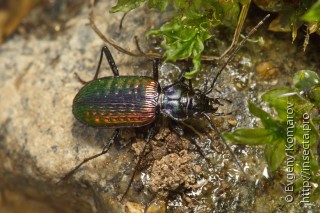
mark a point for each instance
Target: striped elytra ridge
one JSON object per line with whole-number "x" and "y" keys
{"x": 116, "y": 102}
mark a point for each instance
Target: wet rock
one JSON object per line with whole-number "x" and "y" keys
{"x": 134, "y": 207}
{"x": 267, "y": 70}
{"x": 158, "y": 206}
{"x": 40, "y": 141}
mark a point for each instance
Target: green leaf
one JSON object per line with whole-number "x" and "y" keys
{"x": 226, "y": 12}
{"x": 315, "y": 195}
{"x": 161, "y": 5}
{"x": 197, "y": 65}
{"x": 243, "y": 2}
{"x": 301, "y": 105}
{"x": 265, "y": 117}
{"x": 314, "y": 166}
{"x": 256, "y": 111}
{"x": 298, "y": 133}
{"x": 246, "y": 136}
{"x": 305, "y": 79}
{"x": 306, "y": 155}
{"x": 126, "y": 5}
{"x": 306, "y": 133}
{"x": 313, "y": 15}
{"x": 184, "y": 38}
{"x": 315, "y": 96}
{"x": 284, "y": 98}
{"x": 278, "y": 98}
{"x": 275, "y": 153}
{"x": 179, "y": 3}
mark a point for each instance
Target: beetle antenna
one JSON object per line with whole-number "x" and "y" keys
{"x": 236, "y": 49}
{"x": 224, "y": 142}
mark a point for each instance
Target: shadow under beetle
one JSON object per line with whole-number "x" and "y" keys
{"x": 133, "y": 101}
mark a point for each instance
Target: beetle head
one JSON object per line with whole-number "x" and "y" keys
{"x": 200, "y": 103}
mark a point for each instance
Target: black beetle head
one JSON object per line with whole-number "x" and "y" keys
{"x": 200, "y": 103}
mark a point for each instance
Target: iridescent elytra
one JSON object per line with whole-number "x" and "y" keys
{"x": 117, "y": 102}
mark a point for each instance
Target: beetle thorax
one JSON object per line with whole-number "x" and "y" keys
{"x": 180, "y": 102}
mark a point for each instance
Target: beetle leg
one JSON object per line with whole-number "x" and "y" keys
{"x": 111, "y": 140}
{"x": 181, "y": 78}
{"x": 224, "y": 142}
{"x": 177, "y": 128}
{"x": 219, "y": 114}
{"x": 156, "y": 63}
{"x": 111, "y": 62}
{"x": 104, "y": 151}
{"x": 190, "y": 84}
{"x": 148, "y": 139}
{"x": 222, "y": 114}
{"x": 205, "y": 88}
{"x": 198, "y": 148}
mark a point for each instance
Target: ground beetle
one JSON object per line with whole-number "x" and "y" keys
{"x": 134, "y": 101}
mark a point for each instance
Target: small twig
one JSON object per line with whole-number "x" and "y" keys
{"x": 125, "y": 51}
{"x": 122, "y": 19}
{"x": 100, "y": 34}
{"x": 241, "y": 19}
{"x": 138, "y": 45}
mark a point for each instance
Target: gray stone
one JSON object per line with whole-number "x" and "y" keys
{"x": 40, "y": 141}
